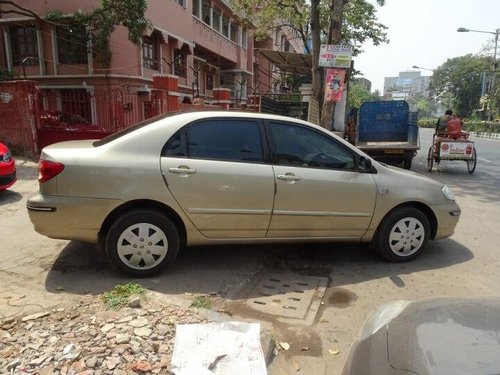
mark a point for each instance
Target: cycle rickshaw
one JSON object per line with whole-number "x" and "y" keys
{"x": 452, "y": 145}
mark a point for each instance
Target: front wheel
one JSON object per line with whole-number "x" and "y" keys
{"x": 402, "y": 234}
{"x": 142, "y": 243}
{"x": 471, "y": 164}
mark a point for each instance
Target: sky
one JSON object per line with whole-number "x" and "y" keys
{"x": 424, "y": 33}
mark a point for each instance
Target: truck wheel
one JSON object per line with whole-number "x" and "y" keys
{"x": 142, "y": 243}
{"x": 402, "y": 234}
{"x": 407, "y": 162}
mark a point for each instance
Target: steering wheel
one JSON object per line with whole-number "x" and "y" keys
{"x": 317, "y": 159}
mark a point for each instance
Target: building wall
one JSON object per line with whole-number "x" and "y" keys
{"x": 175, "y": 27}
{"x": 406, "y": 84}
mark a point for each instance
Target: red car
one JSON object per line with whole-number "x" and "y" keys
{"x": 7, "y": 168}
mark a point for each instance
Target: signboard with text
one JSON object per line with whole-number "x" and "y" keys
{"x": 335, "y": 56}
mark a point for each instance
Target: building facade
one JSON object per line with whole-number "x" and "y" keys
{"x": 202, "y": 43}
{"x": 269, "y": 78}
{"x": 406, "y": 84}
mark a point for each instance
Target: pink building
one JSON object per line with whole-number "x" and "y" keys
{"x": 200, "y": 42}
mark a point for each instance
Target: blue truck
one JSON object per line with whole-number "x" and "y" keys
{"x": 385, "y": 130}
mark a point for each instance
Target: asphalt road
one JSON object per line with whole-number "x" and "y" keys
{"x": 37, "y": 272}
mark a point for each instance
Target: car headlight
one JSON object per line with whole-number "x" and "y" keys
{"x": 6, "y": 157}
{"x": 448, "y": 193}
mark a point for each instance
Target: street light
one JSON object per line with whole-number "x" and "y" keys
{"x": 492, "y": 85}
{"x": 419, "y": 67}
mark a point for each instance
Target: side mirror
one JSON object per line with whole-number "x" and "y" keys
{"x": 365, "y": 164}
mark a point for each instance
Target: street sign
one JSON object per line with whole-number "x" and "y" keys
{"x": 335, "y": 56}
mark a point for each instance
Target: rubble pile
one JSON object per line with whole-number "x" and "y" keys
{"x": 89, "y": 339}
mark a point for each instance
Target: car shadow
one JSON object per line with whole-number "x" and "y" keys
{"x": 225, "y": 270}
{"x": 9, "y": 196}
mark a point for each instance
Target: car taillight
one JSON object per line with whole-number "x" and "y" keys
{"x": 48, "y": 169}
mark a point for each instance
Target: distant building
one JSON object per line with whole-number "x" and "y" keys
{"x": 367, "y": 84}
{"x": 406, "y": 84}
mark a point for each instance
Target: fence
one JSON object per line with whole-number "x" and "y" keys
{"x": 111, "y": 110}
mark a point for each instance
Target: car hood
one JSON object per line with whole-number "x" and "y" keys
{"x": 400, "y": 173}
{"x": 446, "y": 336}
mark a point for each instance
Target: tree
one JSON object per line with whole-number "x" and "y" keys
{"x": 97, "y": 25}
{"x": 458, "y": 83}
{"x": 317, "y": 21}
{"x": 358, "y": 94}
{"x": 350, "y": 22}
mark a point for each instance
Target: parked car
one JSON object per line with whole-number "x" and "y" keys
{"x": 433, "y": 336}
{"x": 7, "y": 168}
{"x": 229, "y": 177}
{"x": 62, "y": 119}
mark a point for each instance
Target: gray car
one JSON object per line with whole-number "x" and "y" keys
{"x": 229, "y": 177}
{"x": 434, "y": 336}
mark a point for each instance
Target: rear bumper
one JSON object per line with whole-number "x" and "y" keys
{"x": 70, "y": 218}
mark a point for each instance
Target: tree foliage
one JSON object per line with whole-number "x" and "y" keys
{"x": 458, "y": 82}
{"x": 317, "y": 22}
{"x": 358, "y": 94}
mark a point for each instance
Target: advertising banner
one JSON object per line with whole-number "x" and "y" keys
{"x": 334, "y": 84}
{"x": 335, "y": 56}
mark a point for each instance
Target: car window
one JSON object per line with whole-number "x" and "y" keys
{"x": 231, "y": 140}
{"x": 176, "y": 146}
{"x": 303, "y": 147}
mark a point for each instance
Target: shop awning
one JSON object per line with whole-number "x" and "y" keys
{"x": 291, "y": 62}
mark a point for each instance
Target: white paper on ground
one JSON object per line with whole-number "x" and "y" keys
{"x": 198, "y": 345}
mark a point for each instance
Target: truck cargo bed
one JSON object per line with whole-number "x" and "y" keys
{"x": 387, "y": 145}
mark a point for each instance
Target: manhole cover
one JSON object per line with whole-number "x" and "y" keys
{"x": 288, "y": 295}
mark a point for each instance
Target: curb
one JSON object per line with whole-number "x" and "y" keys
{"x": 485, "y": 135}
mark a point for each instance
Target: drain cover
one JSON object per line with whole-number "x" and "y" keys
{"x": 287, "y": 295}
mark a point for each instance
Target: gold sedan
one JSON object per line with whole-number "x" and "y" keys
{"x": 228, "y": 177}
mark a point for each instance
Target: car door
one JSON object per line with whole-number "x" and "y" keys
{"x": 215, "y": 170}
{"x": 319, "y": 191}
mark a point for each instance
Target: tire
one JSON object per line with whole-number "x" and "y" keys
{"x": 407, "y": 162}
{"x": 471, "y": 164}
{"x": 430, "y": 159}
{"x": 142, "y": 243}
{"x": 402, "y": 234}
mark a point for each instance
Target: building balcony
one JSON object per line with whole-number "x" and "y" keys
{"x": 210, "y": 39}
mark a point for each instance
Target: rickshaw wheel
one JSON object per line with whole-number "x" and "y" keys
{"x": 430, "y": 159}
{"x": 471, "y": 164}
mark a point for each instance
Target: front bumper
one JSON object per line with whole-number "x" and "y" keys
{"x": 69, "y": 218}
{"x": 7, "y": 180}
{"x": 447, "y": 218}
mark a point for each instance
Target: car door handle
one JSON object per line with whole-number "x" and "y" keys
{"x": 182, "y": 170}
{"x": 288, "y": 177}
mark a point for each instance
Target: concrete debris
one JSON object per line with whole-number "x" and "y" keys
{"x": 89, "y": 339}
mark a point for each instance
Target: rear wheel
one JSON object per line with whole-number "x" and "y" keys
{"x": 142, "y": 243}
{"x": 402, "y": 234}
{"x": 407, "y": 162}
{"x": 471, "y": 164}
{"x": 430, "y": 159}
